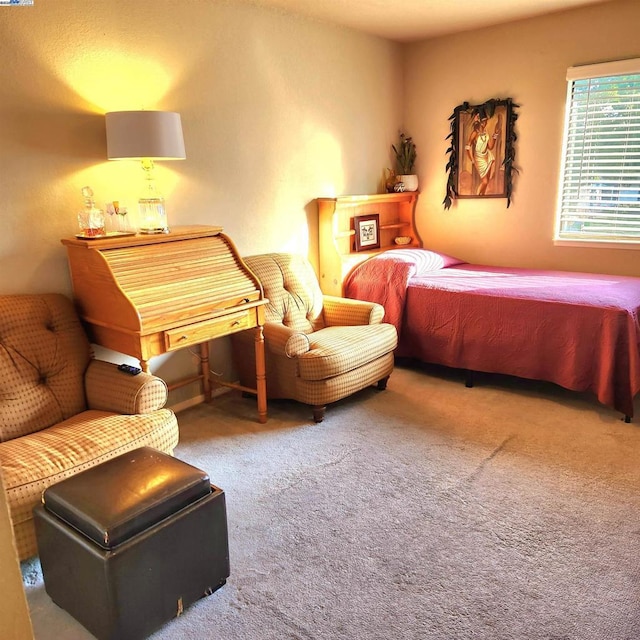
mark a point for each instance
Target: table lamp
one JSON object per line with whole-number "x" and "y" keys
{"x": 146, "y": 136}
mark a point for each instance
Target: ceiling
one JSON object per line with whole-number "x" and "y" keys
{"x": 411, "y": 20}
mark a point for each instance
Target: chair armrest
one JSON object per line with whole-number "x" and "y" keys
{"x": 283, "y": 341}
{"x": 108, "y": 389}
{"x": 348, "y": 312}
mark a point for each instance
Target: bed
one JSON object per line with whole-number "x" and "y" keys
{"x": 578, "y": 330}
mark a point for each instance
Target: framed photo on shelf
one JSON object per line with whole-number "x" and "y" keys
{"x": 367, "y": 230}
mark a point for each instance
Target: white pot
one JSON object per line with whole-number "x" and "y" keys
{"x": 410, "y": 182}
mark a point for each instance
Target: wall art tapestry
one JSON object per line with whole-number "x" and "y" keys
{"x": 481, "y": 151}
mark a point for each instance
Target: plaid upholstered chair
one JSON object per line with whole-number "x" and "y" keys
{"x": 319, "y": 349}
{"x": 60, "y": 410}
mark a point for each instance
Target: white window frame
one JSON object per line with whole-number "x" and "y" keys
{"x": 580, "y": 238}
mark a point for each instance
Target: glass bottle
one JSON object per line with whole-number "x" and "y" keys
{"x": 90, "y": 219}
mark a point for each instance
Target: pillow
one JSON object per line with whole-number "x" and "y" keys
{"x": 423, "y": 259}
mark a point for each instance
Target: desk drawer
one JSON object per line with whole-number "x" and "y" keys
{"x": 209, "y": 329}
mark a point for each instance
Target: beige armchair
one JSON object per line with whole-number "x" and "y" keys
{"x": 60, "y": 410}
{"x": 319, "y": 349}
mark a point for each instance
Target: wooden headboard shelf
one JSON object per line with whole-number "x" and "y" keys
{"x": 336, "y": 231}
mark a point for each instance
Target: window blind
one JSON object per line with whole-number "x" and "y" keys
{"x": 599, "y": 196}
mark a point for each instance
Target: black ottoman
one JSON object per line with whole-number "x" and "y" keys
{"x": 126, "y": 546}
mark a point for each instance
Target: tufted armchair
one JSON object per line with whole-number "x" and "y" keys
{"x": 60, "y": 410}
{"x": 318, "y": 348}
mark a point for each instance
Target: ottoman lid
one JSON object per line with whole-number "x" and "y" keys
{"x": 117, "y": 499}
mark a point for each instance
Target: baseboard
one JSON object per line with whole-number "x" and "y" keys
{"x": 195, "y": 400}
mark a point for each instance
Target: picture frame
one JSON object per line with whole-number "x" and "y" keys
{"x": 367, "y": 232}
{"x": 482, "y": 151}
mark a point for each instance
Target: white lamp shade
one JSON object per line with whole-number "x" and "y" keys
{"x": 138, "y": 135}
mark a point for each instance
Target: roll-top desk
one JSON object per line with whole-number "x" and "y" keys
{"x": 145, "y": 295}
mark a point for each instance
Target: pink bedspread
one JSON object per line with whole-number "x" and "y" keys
{"x": 578, "y": 330}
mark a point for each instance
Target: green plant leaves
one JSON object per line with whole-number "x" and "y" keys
{"x": 405, "y": 155}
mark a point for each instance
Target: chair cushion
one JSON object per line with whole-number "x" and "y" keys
{"x": 31, "y": 464}
{"x": 337, "y": 350}
{"x": 43, "y": 355}
{"x": 291, "y": 285}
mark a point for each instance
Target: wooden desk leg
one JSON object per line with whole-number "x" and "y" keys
{"x": 261, "y": 376}
{"x": 144, "y": 365}
{"x": 204, "y": 368}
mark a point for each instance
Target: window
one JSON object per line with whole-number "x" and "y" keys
{"x": 599, "y": 198}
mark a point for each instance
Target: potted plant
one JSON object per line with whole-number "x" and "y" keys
{"x": 405, "y": 153}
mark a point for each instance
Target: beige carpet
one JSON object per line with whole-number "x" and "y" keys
{"x": 427, "y": 511}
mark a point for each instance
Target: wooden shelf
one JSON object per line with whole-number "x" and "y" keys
{"x": 345, "y": 234}
{"x": 396, "y": 213}
{"x": 394, "y": 225}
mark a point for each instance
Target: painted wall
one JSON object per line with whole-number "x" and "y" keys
{"x": 276, "y": 111}
{"x": 525, "y": 61}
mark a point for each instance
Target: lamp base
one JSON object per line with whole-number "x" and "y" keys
{"x": 153, "y": 217}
